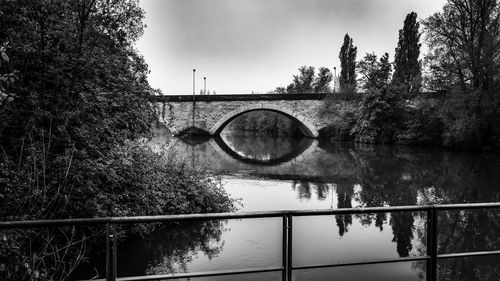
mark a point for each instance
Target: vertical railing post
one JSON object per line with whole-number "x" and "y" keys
{"x": 113, "y": 257}
{"x": 432, "y": 220}
{"x": 289, "y": 248}
{"x": 110, "y": 252}
{"x": 284, "y": 249}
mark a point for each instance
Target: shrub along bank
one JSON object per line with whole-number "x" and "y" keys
{"x": 430, "y": 119}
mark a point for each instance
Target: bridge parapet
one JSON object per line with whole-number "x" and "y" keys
{"x": 239, "y": 97}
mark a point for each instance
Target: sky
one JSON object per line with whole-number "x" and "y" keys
{"x": 244, "y": 46}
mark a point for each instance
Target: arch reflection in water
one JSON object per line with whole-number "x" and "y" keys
{"x": 261, "y": 149}
{"x": 247, "y": 148}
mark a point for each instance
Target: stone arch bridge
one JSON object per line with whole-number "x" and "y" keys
{"x": 210, "y": 114}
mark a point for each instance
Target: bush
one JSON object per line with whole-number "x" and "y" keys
{"x": 468, "y": 123}
{"x": 379, "y": 116}
{"x": 341, "y": 116}
{"x": 421, "y": 124}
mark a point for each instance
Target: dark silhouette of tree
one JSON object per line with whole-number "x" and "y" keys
{"x": 322, "y": 190}
{"x": 347, "y": 58}
{"x": 304, "y": 189}
{"x": 344, "y": 196}
{"x": 407, "y": 67}
{"x": 402, "y": 229}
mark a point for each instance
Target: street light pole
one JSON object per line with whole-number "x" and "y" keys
{"x": 334, "y": 79}
{"x": 205, "y": 85}
{"x": 194, "y": 71}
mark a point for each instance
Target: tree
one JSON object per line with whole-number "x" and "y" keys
{"x": 385, "y": 70}
{"x": 347, "y": 58}
{"x": 407, "y": 67}
{"x": 368, "y": 68}
{"x": 280, "y": 90}
{"x": 322, "y": 82}
{"x": 374, "y": 74}
{"x": 78, "y": 100}
{"x": 80, "y": 77}
{"x": 302, "y": 83}
{"x": 464, "y": 59}
{"x": 464, "y": 42}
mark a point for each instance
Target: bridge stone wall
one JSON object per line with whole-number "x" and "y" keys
{"x": 211, "y": 116}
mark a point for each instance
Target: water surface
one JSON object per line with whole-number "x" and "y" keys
{"x": 269, "y": 173}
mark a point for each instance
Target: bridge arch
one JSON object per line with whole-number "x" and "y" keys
{"x": 307, "y": 128}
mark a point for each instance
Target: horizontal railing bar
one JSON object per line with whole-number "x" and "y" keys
{"x": 198, "y": 274}
{"x": 466, "y": 206}
{"x": 468, "y": 254}
{"x": 348, "y": 211}
{"x": 139, "y": 219}
{"x": 406, "y": 259}
{"x": 57, "y": 222}
{"x": 246, "y": 215}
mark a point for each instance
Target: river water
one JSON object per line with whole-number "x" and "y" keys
{"x": 269, "y": 173}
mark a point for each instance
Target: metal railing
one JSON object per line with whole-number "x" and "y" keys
{"x": 286, "y": 267}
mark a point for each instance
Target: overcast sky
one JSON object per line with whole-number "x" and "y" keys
{"x": 257, "y": 45}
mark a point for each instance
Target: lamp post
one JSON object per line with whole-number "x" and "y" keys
{"x": 334, "y": 79}
{"x": 205, "y": 85}
{"x": 194, "y": 71}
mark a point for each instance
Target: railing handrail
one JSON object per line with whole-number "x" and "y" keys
{"x": 242, "y": 215}
{"x": 287, "y": 266}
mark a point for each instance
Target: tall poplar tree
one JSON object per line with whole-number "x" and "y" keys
{"x": 347, "y": 58}
{"x": 407, "y": 67}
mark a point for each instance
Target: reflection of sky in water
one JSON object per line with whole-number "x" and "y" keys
{"x": 269, "y": 195}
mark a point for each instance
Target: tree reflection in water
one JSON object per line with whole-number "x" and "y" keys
{"x": 405, "y": 176}
{"x": 395, "y": 176}
{"x": 170, "y": 249}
